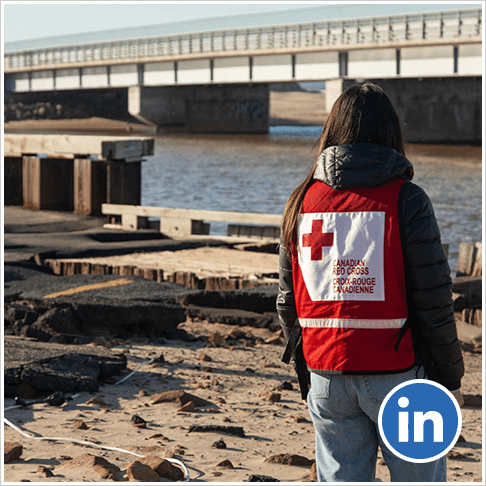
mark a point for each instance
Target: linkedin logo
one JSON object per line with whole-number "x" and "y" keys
{"x": 419, "y": 421}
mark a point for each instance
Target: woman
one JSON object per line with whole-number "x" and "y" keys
{"x": 363, "y": 271}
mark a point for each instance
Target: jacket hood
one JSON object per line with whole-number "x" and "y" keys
{"x": 361, "y": 165}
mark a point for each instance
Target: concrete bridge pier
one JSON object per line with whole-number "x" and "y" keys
{"x": 225, "y": 108}
{"x": 432, "y": 110}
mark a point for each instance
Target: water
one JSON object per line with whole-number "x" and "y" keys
{"x": 257, "y": 173}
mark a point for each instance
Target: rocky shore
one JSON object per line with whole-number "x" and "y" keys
{"x": 129, "y": 373}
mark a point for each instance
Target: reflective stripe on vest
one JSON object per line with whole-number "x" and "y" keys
{"x": 354, "y": 323}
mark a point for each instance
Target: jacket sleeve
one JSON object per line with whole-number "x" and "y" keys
{"x": 429, "y": 287}
{"x": 286, "y": 310}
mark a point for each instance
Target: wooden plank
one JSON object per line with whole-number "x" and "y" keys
{"x": 18, "y": 144}
{"x": 465, "y": 260}
{"x": 477, "y": 269}
{"x": 193, "y": 214}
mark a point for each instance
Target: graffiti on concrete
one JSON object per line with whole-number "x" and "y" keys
{"x": 251, "y": 108}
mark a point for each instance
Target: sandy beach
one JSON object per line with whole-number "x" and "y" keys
{"x": 238, "y": 371}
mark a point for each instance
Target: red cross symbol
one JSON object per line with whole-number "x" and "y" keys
{"x": 317, "y": 239}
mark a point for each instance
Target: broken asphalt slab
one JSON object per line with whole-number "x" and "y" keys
{"x": 51, "y": 367}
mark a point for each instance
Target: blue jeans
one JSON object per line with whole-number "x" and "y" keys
{"x": 344, "y": 409}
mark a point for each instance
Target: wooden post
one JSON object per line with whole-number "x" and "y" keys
{"x": 12, "y": 181}
{"x": 47, "y": 183}
{"x": 469, "y": 259}
{"x": 123, "y": 182}
{"x": 89, "y": 186}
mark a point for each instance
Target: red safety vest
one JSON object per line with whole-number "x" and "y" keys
{"x": 349, "y": 281}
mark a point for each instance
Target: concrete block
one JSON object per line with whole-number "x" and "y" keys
{"x": 437, "y": 110}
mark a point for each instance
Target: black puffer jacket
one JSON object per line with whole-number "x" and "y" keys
{"x": 429, "y": 285}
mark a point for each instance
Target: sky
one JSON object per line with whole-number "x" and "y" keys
{"x": 45, "y": 20}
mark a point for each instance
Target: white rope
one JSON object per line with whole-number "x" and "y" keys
{"x": 92, "y": 444}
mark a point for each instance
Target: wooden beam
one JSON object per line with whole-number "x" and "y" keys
{"x": 192, "y": 214}
{"x": 67, "y": 146}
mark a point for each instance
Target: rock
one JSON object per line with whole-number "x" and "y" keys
{"x": 99, "y": 466}
{"x": 215, "y": 339}
{"x": 11, "y": 451}
{"x": 97, "y": 400}
{"x": 45, "y": 471}
{"x": 229, "y": 429}
{"x": 313, "y": 473}
{"x": 277, "y": 338}
{"x": 289, "y": 459}
{"x": 139, "y": 422}
{"x": 300, "y": 420}
{"x": 164, "y": 469}
{"x": 137, "y": 471}
{"x": 188, "y": 407}
{"x": 460, "y": 439}
{"x": 179, "y": 449}
{"x": 475, "y": 401}
{"x": 204, "y": 357}
{"x": 220, "y": 444}
{"x": 226, "y": 464}
{"x": 273, "y": 397}
{"x": 452, "y": 454}
{"x": 285, "y": 385}
{"x": 235, "y": 334}
{"x": 80, "y": 424}
{"x": 178, "y": 396}
{"x": 262, "y": 479}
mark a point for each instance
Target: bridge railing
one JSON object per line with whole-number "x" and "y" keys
{"x": 453, "y": 24}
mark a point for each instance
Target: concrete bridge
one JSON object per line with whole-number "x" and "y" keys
{"x": 219, "y": 80}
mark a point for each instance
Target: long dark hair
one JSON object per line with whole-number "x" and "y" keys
{"x": 362, "y": 114}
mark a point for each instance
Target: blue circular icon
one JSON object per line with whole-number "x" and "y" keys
{"x": 420, "y": 421}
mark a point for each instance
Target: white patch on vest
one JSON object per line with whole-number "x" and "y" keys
{"x": 346, "y": 261}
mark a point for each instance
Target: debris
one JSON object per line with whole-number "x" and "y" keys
{"x": 137, "y": 471}
{"x": 273, "y": 397}
{"x": 80, "y": 424}
{"x": 45, "y": 471}
{"x": 205, "y": 357}
{"x": 163, "y": 468}
{"x": 229, "y": 429}
{"x": 139, "y": 422}
{"x": 179, "y": 396}
{"x": 226, "y": 464}
{"x": 475, "y": 401}
{"x": 216, "y": 339}
{"x": 289, "y": 459}
{"x": 187, "y": 407}
{"x": 262, "y": 479}
{"x": 11, "y": 451}
{"x": 219, "y": 444}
